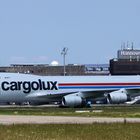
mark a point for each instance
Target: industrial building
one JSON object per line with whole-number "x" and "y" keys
{"x": 49, "y": 70}
{"x": 126, "y": 63}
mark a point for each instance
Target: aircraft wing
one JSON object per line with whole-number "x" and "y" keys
{"x": 84, "y": 93}
{"x": 114, "y": 96}
{"x": 49, "y": 95}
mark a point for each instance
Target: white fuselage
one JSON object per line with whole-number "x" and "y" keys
{"x": 16, "y": 87}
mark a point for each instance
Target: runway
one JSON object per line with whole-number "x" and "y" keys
{"x": 22, "y": 119}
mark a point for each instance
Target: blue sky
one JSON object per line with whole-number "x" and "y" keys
{"x": 35, "y": 31}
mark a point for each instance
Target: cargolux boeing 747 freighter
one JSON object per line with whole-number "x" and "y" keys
{"x": 71, "y": 91}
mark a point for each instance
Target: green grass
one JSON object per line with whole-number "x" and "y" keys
{"x": 71, "y": 132}
{"x": 117, "y": 111}
{"x": 117, "y": 131}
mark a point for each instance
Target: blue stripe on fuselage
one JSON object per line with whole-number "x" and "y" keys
{"x": 96, "y": 87}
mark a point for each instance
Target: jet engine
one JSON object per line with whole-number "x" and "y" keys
{"x": 117, "y": 97}
{"x": 72, "y": 100}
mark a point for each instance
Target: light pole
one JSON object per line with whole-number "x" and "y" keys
{"x": 64, "y": 53}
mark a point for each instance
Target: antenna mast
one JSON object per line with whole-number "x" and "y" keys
{"x": 64, "y": 53}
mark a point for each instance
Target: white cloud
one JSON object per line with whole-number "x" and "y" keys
{"x": 17, "y": 59}
{"x": 40, "y": 59}
{"x": 31, "y": 60}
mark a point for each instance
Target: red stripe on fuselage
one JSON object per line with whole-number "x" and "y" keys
{"x": 97, "y": 84}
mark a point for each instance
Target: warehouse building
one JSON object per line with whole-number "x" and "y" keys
{"x": 126, "y": 63}
{"x": 58, "y": 70}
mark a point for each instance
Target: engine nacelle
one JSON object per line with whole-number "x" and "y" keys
{"x": 117, "y": 97}
{"x": 72, "y": 100}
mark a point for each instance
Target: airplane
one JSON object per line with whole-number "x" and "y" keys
{"x": 71, "y": 91}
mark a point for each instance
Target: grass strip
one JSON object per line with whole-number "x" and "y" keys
{"x": 71, "y": 131}
{"x": 130, "y": 111}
